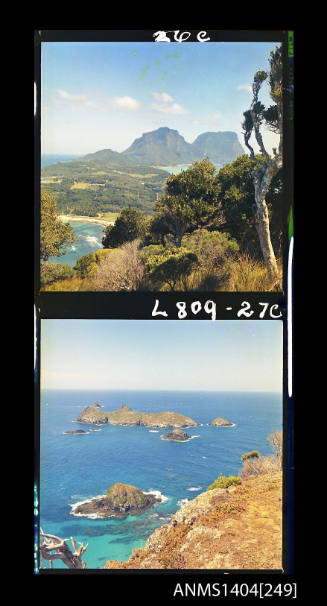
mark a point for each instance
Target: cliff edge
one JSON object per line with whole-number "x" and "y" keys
{"x": 235, "y": 528}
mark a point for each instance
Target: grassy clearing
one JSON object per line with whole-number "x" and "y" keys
{"x": 69, "y": 285}
{"x": 142, "y": 176}
{"x": 83, "y": 185}
{"x": 50, "y": 180}
{"x": 108, "y": 216}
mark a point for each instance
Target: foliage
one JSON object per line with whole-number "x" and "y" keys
{"x": 128, "y": 226}
{"x": 225, "y": 482}
{"x": 213, "y": 248}
{"x": 250, "y": 455}
{"x": 190, "y": 200}
{"x": 121, "y": 270}
{"x": 167, "y": 265}
{"x": 237, "y": 203}
{"x": 215, "y": 252}
{"x": 55, "y": 236}
{"x": 86, "y": 265}
{"x": 247, "y": 274}
{"x": 52, "y": 272}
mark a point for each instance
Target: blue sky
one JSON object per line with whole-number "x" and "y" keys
{"x": 104, "y": 95}
{"x": 233, "y": 355}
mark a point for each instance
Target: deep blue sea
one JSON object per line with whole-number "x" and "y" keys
{"x": 74, "y": 468}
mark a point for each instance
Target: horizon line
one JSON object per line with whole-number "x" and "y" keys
{"x": 159, "y": 390}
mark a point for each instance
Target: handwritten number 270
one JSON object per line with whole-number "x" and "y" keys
{"x": 161, "y": 36}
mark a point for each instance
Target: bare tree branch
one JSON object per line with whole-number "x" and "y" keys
{"x": 62, "y": 551}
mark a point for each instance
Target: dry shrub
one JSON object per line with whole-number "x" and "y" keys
{"x": 121, "y": 270}
{"x": 259, "y": 466}
{"x": 255, "y": 466}
{"x": 276, "y": 440}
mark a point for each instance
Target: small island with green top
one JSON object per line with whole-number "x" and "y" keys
{"x": 121, "y": 500}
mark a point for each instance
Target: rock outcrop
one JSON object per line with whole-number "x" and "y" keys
{"x": 126, "y": 416}
{"x": 176, "y": 435}
{"x": 77, "y": 432}
{"x": 121, "y": 500}
{"x": 235, "y": 528}
{"x": 219, "y": 422}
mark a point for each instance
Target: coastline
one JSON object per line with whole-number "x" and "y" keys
{"x": 69, "y": 218}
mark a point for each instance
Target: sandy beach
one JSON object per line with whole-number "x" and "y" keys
{"x": 69, "y": 218}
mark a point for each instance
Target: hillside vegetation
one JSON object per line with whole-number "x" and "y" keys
{"x": 200, "y": 237}
{"x": 107, "y": 181}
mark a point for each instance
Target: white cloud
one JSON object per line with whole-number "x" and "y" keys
{"x": 216, "y": 116}
{"x": 175, "y": 108}
{"x": 246, "y": 87}
{"x": 163, "y": 97}
{"x": 84, "y": 102}
{"x": 126, "y": 103}
{"x": 64, "y": 95}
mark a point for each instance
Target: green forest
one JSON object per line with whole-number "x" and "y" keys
{"x": 202, "y": 229}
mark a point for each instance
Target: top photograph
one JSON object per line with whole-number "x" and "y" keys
{"x": 162, "y": 166}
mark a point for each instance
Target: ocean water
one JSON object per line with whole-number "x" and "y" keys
{"x": 48, "y": 159}
{"x": 174, "y": 170}
{"x": 74, "y": 468}
{"x": 89, "y": 240}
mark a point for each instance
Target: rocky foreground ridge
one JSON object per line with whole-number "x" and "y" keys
{"x": 235, "y": 528}
{"x": 126, "y": 416}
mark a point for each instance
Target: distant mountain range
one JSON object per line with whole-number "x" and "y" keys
{"x": 166, "y": 147}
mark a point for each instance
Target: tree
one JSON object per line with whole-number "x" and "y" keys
{"x": 51, "y": 272}
{"x": 269, "y": 166}
{"x": 86, "y": 266}
{"x": 129, "y": 225}
{"x": 190, "y": 201}
{"x": 55, "y": 235}
{"x": 237, "y": 203}
{"x": 168, "y": 265}
{"x": 276, "y": 441}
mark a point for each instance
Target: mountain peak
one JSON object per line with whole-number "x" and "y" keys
{"x": 165, "y": 146}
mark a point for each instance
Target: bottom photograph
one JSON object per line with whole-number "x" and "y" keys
{"x": 161, "y": 445}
